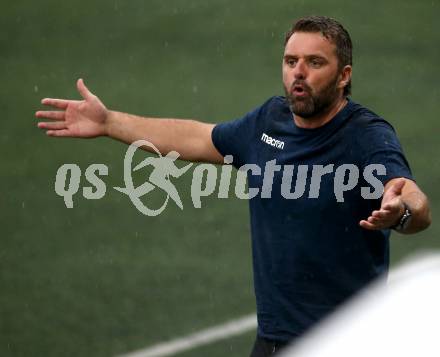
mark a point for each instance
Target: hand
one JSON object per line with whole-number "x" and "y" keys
{"x": 77, "y": 118}
{"x": 391, "y": 210}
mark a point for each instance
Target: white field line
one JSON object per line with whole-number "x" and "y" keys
{"x": 209, "y": 335}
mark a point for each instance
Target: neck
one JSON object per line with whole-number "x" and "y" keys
{"x": 321, "y": 118}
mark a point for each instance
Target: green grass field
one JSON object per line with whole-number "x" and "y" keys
{"x": 101, "y": 279}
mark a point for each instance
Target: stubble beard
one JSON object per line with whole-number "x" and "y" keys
{"x": 314, "y": 103}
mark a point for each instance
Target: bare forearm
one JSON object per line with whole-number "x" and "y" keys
{"x": 89, "y": 118}
{"x": 190, "y": 138}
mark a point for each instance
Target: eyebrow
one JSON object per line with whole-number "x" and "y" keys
{"x": 288, "y": 56}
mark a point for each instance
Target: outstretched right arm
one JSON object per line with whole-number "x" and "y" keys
{"x": 90, "y": 118}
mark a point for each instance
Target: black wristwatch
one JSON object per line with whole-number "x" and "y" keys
{"x": 404, "y": 221}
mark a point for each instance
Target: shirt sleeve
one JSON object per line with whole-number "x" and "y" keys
{"x": 235, "y": 137}
{"x": 380, "y": 145}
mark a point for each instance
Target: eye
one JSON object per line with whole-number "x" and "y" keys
{"x": 316, "y": 63}
{"x": 291, "y": 62}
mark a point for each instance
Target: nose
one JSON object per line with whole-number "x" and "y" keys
{"x": 300, "y": 70}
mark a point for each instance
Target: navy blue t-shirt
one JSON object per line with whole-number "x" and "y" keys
{"x": 309, "y": 253}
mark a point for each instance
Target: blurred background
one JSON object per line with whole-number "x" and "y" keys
{"x": 101, "y": 279}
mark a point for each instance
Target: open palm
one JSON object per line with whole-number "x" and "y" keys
{"x": 75, "y": 118}
{"x": 391, "y": 208}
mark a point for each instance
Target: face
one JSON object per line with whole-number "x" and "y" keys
{"x": 312, "y": 80}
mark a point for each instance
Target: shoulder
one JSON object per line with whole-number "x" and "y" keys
{"x": 364, "y": 118}
{"x": 277, "y": 103}
{"x": 369, "y": 132}
{"x": 372, "y": 134}
{"x": 274, "y": 109}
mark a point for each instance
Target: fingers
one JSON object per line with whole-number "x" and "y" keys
{"x": 395, "y": 205}
{"x": 373, "y": 223}
{"x": 396, "y": 188}
{"x": 374, "y": 220}
{"x": 83, "y": 90}
{"x": 399, "y": 186}
{"x": 57, "y": 103}
{"x": 380, "y": 214}
{"x": 58, "y": 125}
{"x": 64, "y": 103}
{"x": 59, "y": 133}
{"x": 380, "y": 219}
{"x": 371, "y": 226}
{"x": 367, "y": 225}
{"x": 52, "y": 114}
{"x": 391, "y": 207}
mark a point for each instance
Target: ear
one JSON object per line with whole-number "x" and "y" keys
{"x": 345, "y": 76}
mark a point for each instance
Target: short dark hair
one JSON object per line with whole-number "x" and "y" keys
{"x": 334, "y": 32}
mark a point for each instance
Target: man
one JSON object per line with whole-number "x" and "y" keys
{"x": 309, "y": 253}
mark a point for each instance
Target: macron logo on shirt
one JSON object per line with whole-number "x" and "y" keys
{"x": 273, "y": 142}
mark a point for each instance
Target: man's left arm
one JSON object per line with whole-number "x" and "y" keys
{"x": 404, "y": 207}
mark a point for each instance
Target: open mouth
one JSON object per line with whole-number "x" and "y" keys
{"x": 299, "y": 90}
